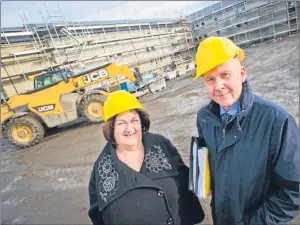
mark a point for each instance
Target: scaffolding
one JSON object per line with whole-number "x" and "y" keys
{"x": 149, "y": 45}
{"x": 246, "y": 22}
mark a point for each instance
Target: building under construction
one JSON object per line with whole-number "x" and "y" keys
{"x": 149, "y": 45}
{"x": 246, "y": 22}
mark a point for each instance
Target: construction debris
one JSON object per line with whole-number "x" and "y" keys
{"x": 157, "y": 84}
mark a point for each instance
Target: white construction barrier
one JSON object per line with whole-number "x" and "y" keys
{"x": 170, "y": 75}
{"x": 157, "y": 84}
{"x": 191, "y": 67}
{"x": 181, "y": 69}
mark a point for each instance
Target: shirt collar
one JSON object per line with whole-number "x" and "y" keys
{"x": 234, "y": 109}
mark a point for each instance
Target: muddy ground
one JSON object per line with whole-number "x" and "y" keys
{"x": 47, "y": 184}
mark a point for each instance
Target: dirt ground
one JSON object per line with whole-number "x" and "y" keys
{"x": 47, "y": 184}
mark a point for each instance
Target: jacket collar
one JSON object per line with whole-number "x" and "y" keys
{"x": 246, "y": 99}
{"x": 246, "y": 102}
{"x": 114, "y": 178}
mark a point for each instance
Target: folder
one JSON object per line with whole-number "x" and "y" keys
{"x": 199, "y": 176}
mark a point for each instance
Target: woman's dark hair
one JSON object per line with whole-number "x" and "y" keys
{"x": 108, "y": 128}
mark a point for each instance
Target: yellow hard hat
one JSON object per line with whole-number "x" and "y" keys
{"x": 118, "y": 102}
{"x": 214, "y": 51}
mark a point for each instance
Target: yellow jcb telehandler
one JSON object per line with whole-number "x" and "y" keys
{"x": 58, "y": 97}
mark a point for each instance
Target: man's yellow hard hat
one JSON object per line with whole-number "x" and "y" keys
{"x": 118, "y": 102}
{"x": 214, "y": 51}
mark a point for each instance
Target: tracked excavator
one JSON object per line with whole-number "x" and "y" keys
{"x": 59, "y": 97}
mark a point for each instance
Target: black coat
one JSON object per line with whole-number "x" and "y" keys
{"x": 254, "y": 162}
{"x": 158, "y": 194}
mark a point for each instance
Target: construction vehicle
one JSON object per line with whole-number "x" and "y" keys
{"x": 58, "y": 97}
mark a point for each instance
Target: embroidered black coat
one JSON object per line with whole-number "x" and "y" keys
{"x": 158, "y": 194}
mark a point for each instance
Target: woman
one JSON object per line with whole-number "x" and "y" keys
{"x": 139, "y": 177}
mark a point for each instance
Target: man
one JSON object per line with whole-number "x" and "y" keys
{"x": 253, "y": 143}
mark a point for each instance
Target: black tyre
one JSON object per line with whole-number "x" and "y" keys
{"x": 24, "y": 131}
{"x": 92, "y": 108}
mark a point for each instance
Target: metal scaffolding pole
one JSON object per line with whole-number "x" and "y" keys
{"x": 143, "y": 36}
{"x": 161, "y": 46}
{"x": 150, "y": 59}
{"x": 234, "y": 30}
{"x": 157, "y": 55}
{"x": 35, "y": 43}
{"x": 297, "y": 14}
{"x": 106, "y": 41}
{"x": 11, "y": 52}
{"x": 46, "y": 23}
{"x": 63, "y": 21}
{"x": 42, "y": 47}
{"x": 274, "y": 29}
{"x": 169, "y": 37}
{"x": 100, "y": 26}
{"x": 85, "y": 28}
{"x": 133, "y": 46}
{"x": 88, "y": 28}
{"x": 288, "y": 17}
{"x": 4, "y": 67}
{"x": 152, "y": 37}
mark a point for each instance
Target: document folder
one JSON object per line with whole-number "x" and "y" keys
{"x": 199, "y": 176}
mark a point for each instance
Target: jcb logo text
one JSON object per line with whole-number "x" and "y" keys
{"x": 95, "y": 76}
{"x": 44, "y": 108}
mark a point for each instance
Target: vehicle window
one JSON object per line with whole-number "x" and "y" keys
{"x": 4, "y": 96}
{"x": 47, "y": 79}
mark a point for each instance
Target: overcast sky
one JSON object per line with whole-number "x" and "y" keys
{"x": 36, "y": 11}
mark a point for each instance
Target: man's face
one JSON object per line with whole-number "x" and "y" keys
{"x": 224, "y": 83}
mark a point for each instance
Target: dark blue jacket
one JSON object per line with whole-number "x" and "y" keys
{"x": 158, "y": 194}
{"x": 254, "y": 162}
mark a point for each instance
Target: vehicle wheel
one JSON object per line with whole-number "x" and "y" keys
{"x": 92, "y": 108}
{"x": 24, "y": 131}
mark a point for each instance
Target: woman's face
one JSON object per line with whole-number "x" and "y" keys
{"x": 128, "y": 128}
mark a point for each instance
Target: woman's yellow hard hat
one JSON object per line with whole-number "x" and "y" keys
{"x": 214, "y": 51}
{"x": 118, "y": 102}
